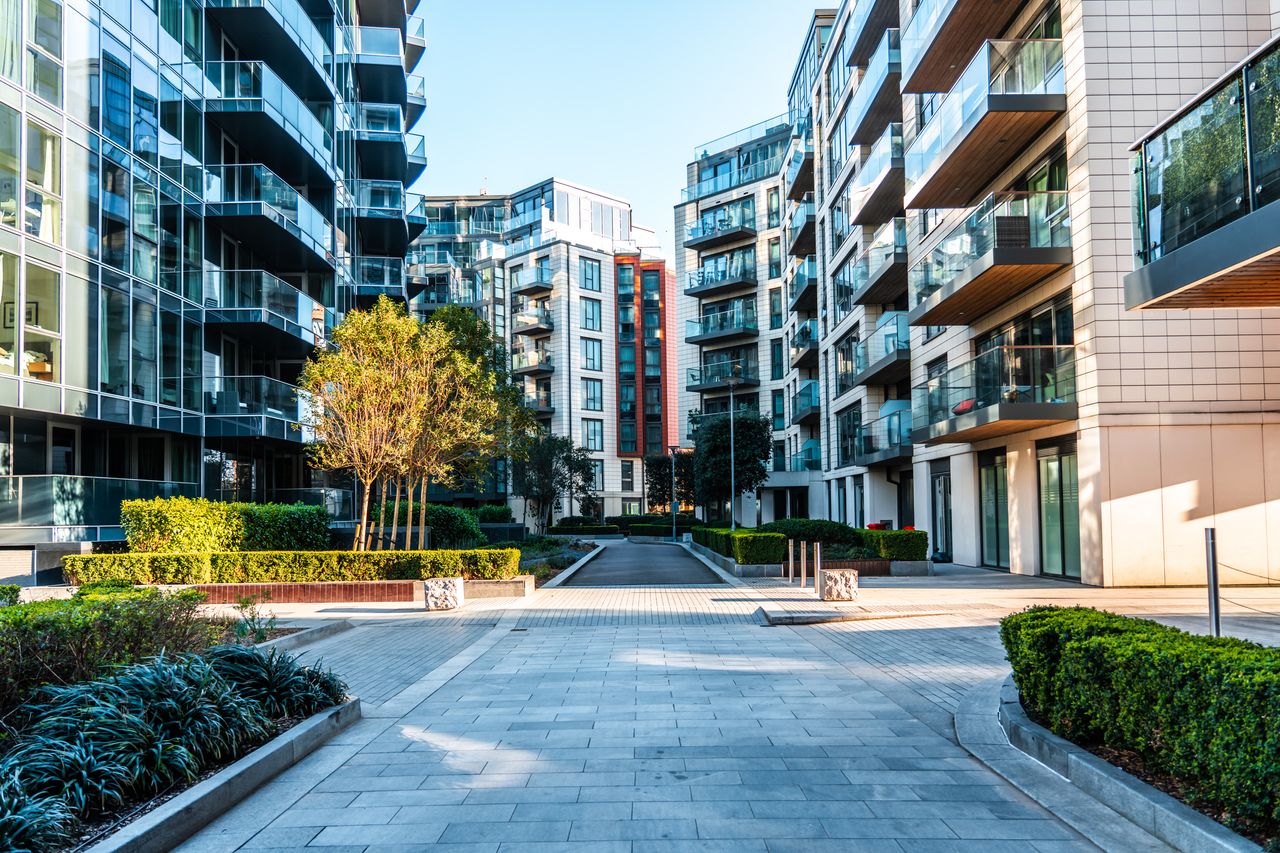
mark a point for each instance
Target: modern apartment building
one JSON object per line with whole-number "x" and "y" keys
{"x": 582, "y": 299}
{"x": 978, "y": 375}
{"x": 190, "y": 195}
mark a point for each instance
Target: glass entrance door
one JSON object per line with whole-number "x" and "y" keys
{"x": 942, "y": 516}
{"x": 993, "y": 504}
{"x": 1059, "y": 512}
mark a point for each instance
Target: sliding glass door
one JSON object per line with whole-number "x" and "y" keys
{"x": 1059, "y": 511}
{"x": 993, "y": 505}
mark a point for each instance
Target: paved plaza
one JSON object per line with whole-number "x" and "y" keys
{"x": 668, "y": 717}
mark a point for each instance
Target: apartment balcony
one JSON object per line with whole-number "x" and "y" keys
{"x": 1206, "y": 230}
{"x": 941, "y": 30}
{"x": 883, "y": 442}
{"x": 378, "y": 60}
{"x": 1008, "y": 95}
{"x": 261, "y": 210}
{"x": 415, "y": 214}
{"x": 877, "y": 100}
{"x": 532, "y": 363}
{"x": 63, "y": 501}
{"x": 723, "y": 375}
{"x": 380, "y": 276}
{"x": 867, "y": 23}
{"x": 415, "y": 103}
{"x": 534, "y": 323}
{"x": 808, "y": 459}
{"x": 728, "y": 226}
{"x": 721, "y": 278}
{"x": 380, "y": 216}
{"x": 415, "y": 40}
{"x": 804, "y": 345}
{"x": 415, "y": 152}
{"x": 879, "y": 274}
{"x": 541, "y": 404}
{"x": 1002, "y": 391}
{"x": 381, "y": 144}
{"x": 282, "y": 31}
{"x": 254, "y": 407}
{"x": 880, "y": 180}
{"x": 269, "y": 122}
{"x": 381, "y": 13}
{"x": 801, "y": 230}
{"x": 736, "y": 324}
{"x": 799, "y": 177}
{"x": 802, "y": 289}
{"x": 264, "y": 311}
{"x": 532, "y": 281}
{"x": 884, "y": 356}
{"x": 731, "y": 180}
{"x": 1005, "y": 244}
{"x": 806, "y": 403}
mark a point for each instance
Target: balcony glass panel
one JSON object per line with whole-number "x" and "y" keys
{"x": 806, "y": 274}
{"x": 416, "y": 27}
{"x": 1038, "y": 220}
{"x": 723, "y": 371}
{"x": 807, "y": 396}
{"x": 294, "y": 20}
{"x": 540, "y": 399}
{"x": 381, "y": 199}
{"x": 891, "y": 432}
{"x": 731, "y": 266}
{"x": 739, "y": 214}
{"x": 255, "y": 81}
{"x": 377, "y": 41}
{"x": 535, "y": 275}
{"x": 1010, "y": 374}
{"x": 417, "y": 85}
{"x": 888, "y": 243}
{"x": 256, "y": 184}
{"x": 1031, "y": 67}
{"x": 920, "y": 29}
{"x": 805, "y": 337}
{"x": 415, "y": 146}
{"x": 808, "y": 459}
{"x": 253, "y": 396}
{"x": 890, "y": 337}
{"x": 531, "y": 358}
{"x": 804, "y": 151}
{"x": 373, "y": 271}
{"x": 741, "y": 137}
{"x": 880, "y": 158}
{"x": 735, "y": 178}
{"x": 231, "y": 291}
{"x": 67, "y": 501}
{"x": 886, "y": 55}
{"x": 529, "y": 217}
{"x": 737, "y": 317}
{"x": 533, "y": 317}
{"x": 379, "y": 120}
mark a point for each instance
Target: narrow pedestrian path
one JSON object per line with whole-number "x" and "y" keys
{"x": 628, "y": 563}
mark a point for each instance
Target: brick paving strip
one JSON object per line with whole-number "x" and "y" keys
{"x": 639, "y": 719}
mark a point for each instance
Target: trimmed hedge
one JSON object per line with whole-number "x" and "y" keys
{"x": 451, "y": 526}
{"x": 584, "y": 530}
{"x": 1201, "y": 709}
{"x": 292, "y": 566}
{"x": 684, "y": 521}
{"x": 814, "y": 530}
{"x": 653, "y": 530}
{"x": 745, "y": 547}
{"x": 178, "y": 524}
{"x": 495, "y": 514}
{"x": 897, "y": 544}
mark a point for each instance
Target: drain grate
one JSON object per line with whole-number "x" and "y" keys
{"x": 514, "y": 630}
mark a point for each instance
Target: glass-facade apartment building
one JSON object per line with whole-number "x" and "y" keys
{"x": 977, "y": 373}
{"x": 191, "y": 193}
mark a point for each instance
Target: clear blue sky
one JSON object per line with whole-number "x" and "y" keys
{"x": 613, "y": 95}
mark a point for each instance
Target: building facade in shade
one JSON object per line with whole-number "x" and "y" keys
{"x": 581, "y": 298}
{"x": 190, "y": 196}
{"x": 978, "y": 374}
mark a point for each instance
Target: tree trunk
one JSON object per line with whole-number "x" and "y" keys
{"x": 422, "y": 516}
{"x": 363, "y": 523}
{"x": 395, "y": 515}
{"x": 410, "y": 483}
{"x": 382, "y": 515}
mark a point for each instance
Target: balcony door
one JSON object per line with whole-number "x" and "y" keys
{"x": 1059, "y": 510}
{"x": 940, "y": 499}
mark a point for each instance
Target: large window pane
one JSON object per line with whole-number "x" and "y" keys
{"x": 145, "y": 355}
{"x": 82, "y": 206}
{"x": 115, "y": 215}
{"x": 41, "y": 346}
{"x": 114, "y": 342}
{"x": 44, "y": 183}
{"x": 10, "y": 160}
{"x": 80, "y": 333}
{"x": 10, "y": 38}
{"x": 8, "y": 301}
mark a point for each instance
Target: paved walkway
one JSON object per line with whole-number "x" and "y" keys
{"x": 632, "y": 564}
{"x": 655, "y": 718}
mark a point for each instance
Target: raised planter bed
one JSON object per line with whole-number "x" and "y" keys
{"x": 314, "y": 593}
{"x": 733, "y": 567}
{"x": 864, "y": 568}
{"x": 516, "y": 587}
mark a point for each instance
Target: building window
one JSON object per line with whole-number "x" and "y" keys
{"x": 779, "y": 410}
{"x": 44, "y": 183}
{"x": 592, "y": 434}
{"x": 626, "y": 281}
{"x": 591, "y": 315}
{"x": 628, "y": 475}
{"x": 775, "y": 208}
{"x": 649, "y": 285}
{"x": 593, "y": 355}
{"x": 626, "y": 322}
{"x": 626, "y": 360}
{"x": 653, "y": 439}
{"x": 597, "y": 475}
{"x": 776, "y": 368}
{"x": 593, "y": 395}
{"x": 630, "y": 506}
{"x": 779, "y": 456}
{"x": 775, "y": 308}
{"x": 775, "y": 258}
{"x": 1059, "y": 510}
{"x": 589, "y": 274}
{"x": 627, "y": 437}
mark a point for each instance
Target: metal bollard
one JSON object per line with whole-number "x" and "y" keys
{"x": 817, "y": 566}
{"x": 791, "y": 560}
{"x": 804, "y": 564}
{"x": 1211, "y": 569}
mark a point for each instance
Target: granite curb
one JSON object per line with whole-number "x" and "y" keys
{"x": 572, "y": 570}
{"x": 306, "y": 636}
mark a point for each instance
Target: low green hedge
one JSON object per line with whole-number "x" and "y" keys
{"x": 745, "y": 547}
{"x": 897, "y": 544}
{"x": 495, "y": 514}
{"x": 653, "y": 530}
{"x": 1198, "y": 708}
{"x": 292, "y": 566}
{"x": 814, "y": 530}
{"x": 178, "y": 524}
{"x": 684, "y": 521}
{"x": 585, "y": 530}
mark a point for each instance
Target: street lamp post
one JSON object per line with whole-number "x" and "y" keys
{"x": 673, "y": 448}
{"x": 733, "y": 458}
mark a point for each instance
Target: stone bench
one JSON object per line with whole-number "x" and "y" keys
{"x": 838, "y": 584}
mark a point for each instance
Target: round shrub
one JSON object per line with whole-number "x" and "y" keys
{"x": 813, "y": 530}
{"x": 451, "y": 527}
{"x": 495, "y": 514}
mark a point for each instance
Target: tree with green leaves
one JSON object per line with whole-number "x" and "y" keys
{"x": 753, "y": 445}
{"x": 553, "y": 466}
{"x": 657, "y": 480}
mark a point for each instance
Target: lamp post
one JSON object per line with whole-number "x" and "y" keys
{"x": 673, "y": 448}
{"x": 733, "y": 381}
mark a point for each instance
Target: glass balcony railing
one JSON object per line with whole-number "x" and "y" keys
{"x": 802, "y": 153}
{"x": 377, "y": 42}
{"x": 1009, "y": 374}
{"x": 738, "y": 138}
{"x": 1030, "y": 67}
{"x": 879, "y": 160}
{"x": 732, "y": 268}
{"x": 740, "y": 318}
{"x": 253, "y": 397}
{"x": 415, "y": 146}
{"x": 725, "y": 219}
{"x": 542, "y": 400}
{"x": 883, "y": 436}
{"x": 919, "y": 31}
{"x": 245, "y": 83}
{"x": 725, "y": 372}
{"x": 533, "y": 318}
{"x": 378, "y": 199}
{"x": 1001, "y": 220}
{"x": 805, "y": 275}
{"x": 416, "y": 28}
{"x": 532, "y": 359}
{"x": 808, "y": 459}
{"x": 339, "y": 503}
{"x": 806, "y": 400}
{"x": 290, "y": 15}
{"x": 887, "y": 245}
{"x": 241, "y": 295}
{"x": 534, "y": 278}
{"x": 379, "y": 273}
{"x": 529, "y": 217}
{"x": 56, "y": 500}
{"x": 255, "y": 184}
{"x": 379, "y": 122}
{"x": 417, "y": 86}
{"x": 735, "y": 178}
{"x": 885, "y": 59}
{"x": 805, "y": 339}
{"x": 891, "y": 336}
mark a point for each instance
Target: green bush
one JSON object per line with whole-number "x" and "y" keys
{"x": 684, "y": 521}
{"x": 451, "y": 526}
{"x": 745, "y": 547}
{"x": 577, "y": 521}
{"x": 1200, "y": 709}
{"x": 69, "y": 640}
{"x": 173, "y": 525}
{"x": 652, "y": 530}
{"x": 495, "y": 514}
{"x": 897, "y": 544}
{"x": 841, "y": 551}
{"x": 9, "y": 594}
{"x": 291, "y": 566}
{"x": 585, "y": 530}
{"x": 814, "y": 530}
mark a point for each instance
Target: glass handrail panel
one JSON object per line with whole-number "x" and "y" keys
{"x": 739, "y": 214}
{"x": 379, "y": 118}
{"x": 415, "y": 146}
{"x": 887, "y": 433}
{"x": 724, "y": 371}
{"x": 526, "y": 276}
{"x": 58, "y": 500}
{"x": 880, "y": 158}
{"x": 807, "y": 459}
{"x": 806, "y": 273}
{"x": 740, "y": 316}
{"x": 292, "y": 17}
{"x": 741, "y": 137}
{"x": 377, "y": 41}
{"x": 802, "y": 152}
{"x": 732, "y": 266}
{"x": 1025, "y": 67}
{"x": 374, "y": 271}
{"x": 890, "y": 337}
{"x": 257, "y": 81}
{"x": 743, "y": 175}
{"x": 383, "y": 197}
{"x": 416, "y": 27}
{"x": 807, "y": 396}
{"x": 1029, "y": 220}
{"x": 253, "y": 396}
{"x": 417, "y": 86}
{"x": 806, "y": 334}
{"x": 232, "y": 290}
{"x": 531, "y": 358}
{"x": 534, "y": 317}
{"x": 919, "y": 31}
{"x": 539, "y": 400}
{"x": 1008, "y": 374}
{"x": 886, "y": 55}
{"x": 887, "y": 244}
{"x": 256, "y": 184}
{"x": 339, "y": 503}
